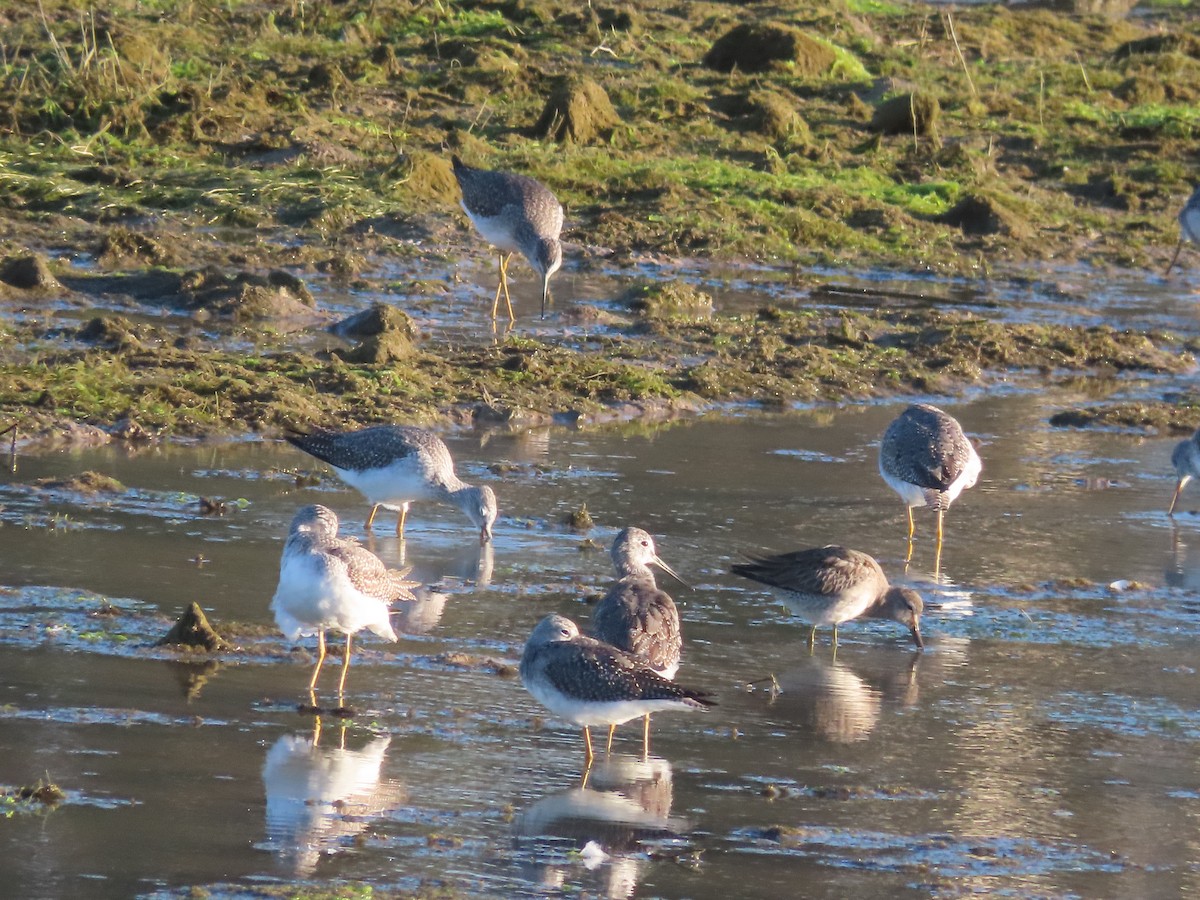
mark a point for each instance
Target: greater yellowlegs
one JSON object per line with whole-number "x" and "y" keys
{"x": 831, "y": 585}
{"x": 393, "y": 465}
{"x": 513, "y": 213}
{"x": 636, "y": 615}
{"x": 926, "y": 459}
{"x": 1189, "y": 226}
{"x": 328, "y": 583}
{"x": 320, "y": 798}
{"x": 1186, "y": 460}
{"x": 588, "y": 682}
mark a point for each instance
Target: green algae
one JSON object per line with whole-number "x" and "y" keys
{"x": 137, "y": 134}
{"x": 296, "y": 118}
{"x": 772, "y": 356}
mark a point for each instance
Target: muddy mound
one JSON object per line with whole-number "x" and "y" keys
{"x": 427, "y": 176}
{"x": 769, "y": 113}
{"x": 760, "y": 47}
{"x": 577, "y": 112}
{"x": 244, "y": 296}
{"x": 84, "y": 483}
{"x": 980, "y": 215}
{"x": 193, "y": 631}
{"x": 29, "y": 272}
{"x": 1187, "y": 44}
{"x": 668, "y": 300}
{"x": 385, "y": 334}
{"x": 111, "y": 332}
{"x": 123, "y": 248}
{"x": 915, "y": 113}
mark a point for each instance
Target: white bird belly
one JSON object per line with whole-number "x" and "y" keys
{"x": 391, "y": 486}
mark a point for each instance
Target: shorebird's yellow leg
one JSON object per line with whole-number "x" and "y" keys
{"x": 371, "y": 517}
{"x": 645, "y": 737}
{"x": 587, "y": 743}
{"x": 611, "y": 731}
{"x": 503, "y": 287}
{"x": 937, "y": 555}
{"x": 345, "y": 667}
{"x": 312, "y": 684}
{"x": 835, "y": 635}
{"x": 812, "y": 638}
{"x": 1175, "y": 498}
{"x": 911, "y": 526}
{"x": 401, "y": 519}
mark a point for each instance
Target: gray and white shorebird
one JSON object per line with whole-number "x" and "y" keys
{"x": 1189, "y": 227}
{"x": 395, "y": 465}
{"x": 927, "y": 459}
{"x": 636, "y": 615}
{"x": 1186, "y": 460}
{"x": 515, "y": 214}
{"x": 830, "y": 585}
{"x": 327, "y": 583}
{"x": 588, "y": 682}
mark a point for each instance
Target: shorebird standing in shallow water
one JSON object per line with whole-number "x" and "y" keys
{"x": 393, "y": 465}
{"x": 1189, "y": 227}
{"x": 831, "y": 585}
{"x": 1186, "y": 460}
{"x": 636, "y": 615}
{"x": 328, "y": 583}
{"x": 588, "y": 682}
{"x": 926, "y": 459}
{"x": 515, "y": 214}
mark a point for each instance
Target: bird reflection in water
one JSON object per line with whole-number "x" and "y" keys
{"x": 321, "y": 794}
{"x": 614, "y": 821}
{"x": 469, "y": 564}
{"x": 829, "y": 698}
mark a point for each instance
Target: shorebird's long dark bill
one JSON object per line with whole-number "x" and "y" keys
{"x": 662, "y": 565}
{"x": 545, "y": 293}
{"x": 917, "y": 639}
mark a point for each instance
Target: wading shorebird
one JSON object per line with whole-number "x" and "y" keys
{"x": 329, "y": 583}
{"x": 636, "y": 615}
{"x": 926, "y": 459}
{"x": 831, "y": 585}
{"x": 395, "y": 465}
{"x": 1189, "y": 227}
{"x": 515, "y": 214}
{"x": 1186, "y": 460}
{"x": 588, "y": 682}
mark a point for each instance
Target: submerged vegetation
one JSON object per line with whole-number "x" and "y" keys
{"x": 152, "y": 138}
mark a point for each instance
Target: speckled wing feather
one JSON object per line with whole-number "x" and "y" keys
{"x": 487, "y": 194}
{"x": 368, "y": 573}
{"x": 590, "y": 670}
{"x": 926, "y": 448}
{"x": 639, "y": 618}
{"x": 821, "y": 571}
{"x": 367, "y": 448}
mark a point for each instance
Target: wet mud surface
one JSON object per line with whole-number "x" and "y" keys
{"x": 1058, "y": 680}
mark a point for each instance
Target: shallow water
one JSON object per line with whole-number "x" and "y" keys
{"x": 1044, "y": 745}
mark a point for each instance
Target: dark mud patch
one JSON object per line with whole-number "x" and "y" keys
{"x": 757, "y": 47}
{"x": 1175, "y": 414}
{"x": 29, "y": 273}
